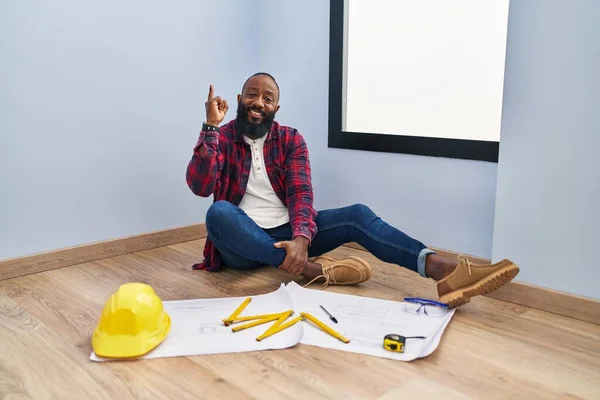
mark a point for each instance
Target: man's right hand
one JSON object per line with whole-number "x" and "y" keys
{"x": 296, "y": 254}
{"x": 216, "y": 108}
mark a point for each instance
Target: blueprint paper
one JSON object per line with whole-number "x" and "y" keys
{"x": 365, "y": 321}
{"x": 197, "y": 327}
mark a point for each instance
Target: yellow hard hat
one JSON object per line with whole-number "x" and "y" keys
{"x": 133, "y": 322}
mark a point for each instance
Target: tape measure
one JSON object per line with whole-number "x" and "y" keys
{"x": 397, "y": 343}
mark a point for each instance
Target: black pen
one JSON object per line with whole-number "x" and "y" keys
{"x": 330, "y": 316}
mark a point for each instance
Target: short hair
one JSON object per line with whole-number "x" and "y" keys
{"x": 265, "y": 74}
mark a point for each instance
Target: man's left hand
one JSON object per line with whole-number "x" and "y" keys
{"x": 296, "y": 254}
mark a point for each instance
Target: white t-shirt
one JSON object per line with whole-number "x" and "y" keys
{"x": 260, "y": 201}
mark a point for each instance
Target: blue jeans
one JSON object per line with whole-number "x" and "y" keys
{"x": 245, "y": 245}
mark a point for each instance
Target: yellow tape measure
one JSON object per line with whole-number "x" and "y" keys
{"x": 397, "y": 343}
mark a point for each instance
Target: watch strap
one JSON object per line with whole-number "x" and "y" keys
{"x": 209, "y": 128}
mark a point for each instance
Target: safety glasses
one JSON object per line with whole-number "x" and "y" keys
{"x": 431, "y": 308}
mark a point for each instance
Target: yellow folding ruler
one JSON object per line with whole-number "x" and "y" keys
{"x": 279, "y": 324}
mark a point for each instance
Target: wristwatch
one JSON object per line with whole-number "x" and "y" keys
{"x": 209, "y": 128}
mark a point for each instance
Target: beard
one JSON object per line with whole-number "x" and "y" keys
{"x": 252, "y": 129}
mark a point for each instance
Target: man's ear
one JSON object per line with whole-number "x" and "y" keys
{"x": 239, "y": 97}
{"x": 277, "y": 108}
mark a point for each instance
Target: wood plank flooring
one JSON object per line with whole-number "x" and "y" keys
{"x": 491, "y": 350}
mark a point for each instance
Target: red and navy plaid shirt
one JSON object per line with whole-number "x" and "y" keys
{"x": 222, "y": 168}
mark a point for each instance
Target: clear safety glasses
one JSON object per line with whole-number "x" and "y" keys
{"x": 418, "y": 306}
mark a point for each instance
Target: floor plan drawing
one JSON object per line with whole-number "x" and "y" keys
{"x": 211, "y": 328}
{"x": 362, "y": 310}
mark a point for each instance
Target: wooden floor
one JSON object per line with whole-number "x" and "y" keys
{"x": 491, "y": 349}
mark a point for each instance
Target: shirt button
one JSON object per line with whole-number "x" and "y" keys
{"x": 259, "y": 168}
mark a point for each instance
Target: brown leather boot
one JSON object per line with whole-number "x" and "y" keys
{"x": 469, "y": 280}
{"x": 347, "y": 271}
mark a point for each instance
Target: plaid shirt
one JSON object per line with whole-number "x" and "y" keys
{"x": 223, "y": 168}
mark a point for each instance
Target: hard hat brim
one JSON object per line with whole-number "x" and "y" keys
{"x": 129, "y": 346}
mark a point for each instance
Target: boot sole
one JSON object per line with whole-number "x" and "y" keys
{"x": 484, "y": 286}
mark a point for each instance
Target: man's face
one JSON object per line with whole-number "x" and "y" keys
{"x": 257, "y": 105}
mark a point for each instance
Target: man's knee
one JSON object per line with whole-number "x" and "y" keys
{"x": 361, "y": 214}
{"x": 219, "y": 212}
{"x": 361, "y": 210}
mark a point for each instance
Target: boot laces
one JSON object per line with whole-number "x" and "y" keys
{"x": 327, "y": 274}
{"x": 463, "y": 260}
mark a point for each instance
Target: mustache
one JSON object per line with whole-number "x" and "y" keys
{"x": 258, "y": 110}
{"x": 242, "y": 112}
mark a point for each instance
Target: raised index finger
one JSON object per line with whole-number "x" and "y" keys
{"x": 211, "y": 93}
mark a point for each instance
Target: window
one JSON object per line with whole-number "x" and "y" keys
{"x": 417, "y": 76}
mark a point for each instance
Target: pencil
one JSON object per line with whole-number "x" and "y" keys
{"x": 324, "y": 327}
{"x": 330, "y": 316}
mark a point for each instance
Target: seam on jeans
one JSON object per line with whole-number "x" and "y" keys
{"x": 360, "y": 228}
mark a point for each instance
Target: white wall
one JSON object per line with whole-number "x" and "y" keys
{"x": 548, "y": 201}
{"x": 444, "y": 202}
{"x": 100, "y": 107}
